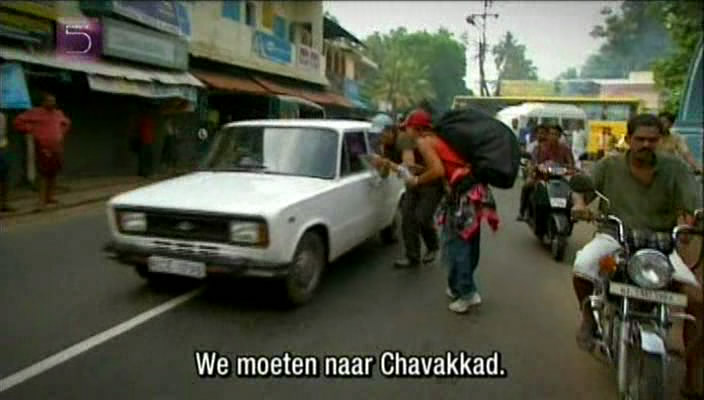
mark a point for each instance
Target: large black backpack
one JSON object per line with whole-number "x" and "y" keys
{"x": 486, "y": 143}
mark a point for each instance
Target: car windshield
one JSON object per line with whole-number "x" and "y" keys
{"x": 296, "y": 151}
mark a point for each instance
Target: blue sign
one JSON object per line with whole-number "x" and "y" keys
{"x": 231, "y": 9}
{"x": 272, "y": 48}
{"x": 168, "y": 16}
{"x": 13, "y": 88}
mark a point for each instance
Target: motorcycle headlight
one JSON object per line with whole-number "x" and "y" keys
{"x": 129, "y": 221}
{"x": 557, "y": 170}
{"x": 650, "y": 269}
{"x": 249, "y": 233}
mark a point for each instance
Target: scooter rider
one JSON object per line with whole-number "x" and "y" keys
{"x": 647, "y": 190}
{"x": 549, "y": 149}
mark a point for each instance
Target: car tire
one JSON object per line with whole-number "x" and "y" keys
{"x": 306, "y": 269}
{"x": 391, "y": 233}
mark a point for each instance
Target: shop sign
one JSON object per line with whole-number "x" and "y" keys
{"x": 38, "y": 8}
{"x": 27, "y": 29}
{"x": 131, "y": 42}
{"x": 144, "y": 89}
{"x": 272, "y": 48}
{"x": 13, "y": 87}
{"x": 308, "y": 58}
{"x": 172, "y": 17}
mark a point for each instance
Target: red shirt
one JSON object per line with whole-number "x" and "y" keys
{"x": 146, "y": 130}
{"x": 48, "y": 127}
{"x": 558, "y": 153}
{"x": 455, "y": 166}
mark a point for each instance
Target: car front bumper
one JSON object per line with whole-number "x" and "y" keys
{"x": 215, "y": 265}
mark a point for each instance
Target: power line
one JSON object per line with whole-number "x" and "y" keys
{"x": 472, "y": 20}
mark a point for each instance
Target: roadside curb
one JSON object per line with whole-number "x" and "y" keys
{"x": 72, "y": 204}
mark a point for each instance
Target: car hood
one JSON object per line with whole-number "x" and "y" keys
{"x": 225, "y": 192}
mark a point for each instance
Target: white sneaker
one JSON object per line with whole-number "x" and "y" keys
{"x": 450, "y": 293}
{"x": 462, "y": 305}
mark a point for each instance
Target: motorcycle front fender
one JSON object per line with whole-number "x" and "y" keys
{"x": 562, "y": 223}
{"x": 650, "y": 341}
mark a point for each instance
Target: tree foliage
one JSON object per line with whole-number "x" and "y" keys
{"x": 570, "y": 73}
{"x": 683, "y": 21}
{"x": 633, "y": 38}
{"x": 415, "y": 66}
{"x": 511, "y": 61}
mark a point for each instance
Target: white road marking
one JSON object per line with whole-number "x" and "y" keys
{"x": 93, "y": 341}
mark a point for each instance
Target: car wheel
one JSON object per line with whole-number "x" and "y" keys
{"x": 391, "y": 233}
{"x": 306, "y": 269}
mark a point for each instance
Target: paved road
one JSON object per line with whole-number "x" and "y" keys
{"x": 56, "y": 290}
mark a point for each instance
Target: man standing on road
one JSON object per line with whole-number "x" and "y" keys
{"x": 420, "y": 202}
{"x": 48, "y": 126}
{"x": 4, "y": 165}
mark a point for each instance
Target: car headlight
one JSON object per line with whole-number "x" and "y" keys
{"x": 129, "y": 221}
{"x": 650, "y": 269}
{"x": 249, "y": 233}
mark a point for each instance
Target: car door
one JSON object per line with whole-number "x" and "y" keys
{"x": 355, "y": 192}
{"x": 385, "y": 195}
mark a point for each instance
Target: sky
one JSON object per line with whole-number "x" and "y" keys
{"x": 555, "y": 33}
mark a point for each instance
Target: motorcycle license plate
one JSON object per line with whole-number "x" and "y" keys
{"x": 177, "y": 267}
{"x": 558, "y": 203}
{"x": 655, "y": 296}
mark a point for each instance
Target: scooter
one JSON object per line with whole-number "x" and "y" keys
{"x": 549, "y": 208}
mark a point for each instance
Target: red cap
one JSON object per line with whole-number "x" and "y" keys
{"x": 418, "y": 119}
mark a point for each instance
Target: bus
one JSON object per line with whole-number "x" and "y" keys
{"x": 690, "y": 121}
{"x": 602, "y": 112}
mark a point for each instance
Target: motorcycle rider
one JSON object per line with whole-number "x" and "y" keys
{"x": 549, "y": 148}
{"x": 647, "y": 190}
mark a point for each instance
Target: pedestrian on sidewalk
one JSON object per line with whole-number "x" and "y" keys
{"x": 168, "y": 152}
{"x": 146, "y": 127}
{"x": 48, "y": 126}
{"x": 4, "y": 165}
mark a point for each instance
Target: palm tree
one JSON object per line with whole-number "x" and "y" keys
{"x": 401, "y": 81}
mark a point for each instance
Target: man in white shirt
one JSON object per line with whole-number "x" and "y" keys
{"x": 579, "y": 142}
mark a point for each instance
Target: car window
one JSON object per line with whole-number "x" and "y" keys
{"x": 693, "y": 103}
{"x": 353, "y": 147}
{"x": 275, "y": 150}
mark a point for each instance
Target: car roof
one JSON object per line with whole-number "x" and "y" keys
{"x": 336, "y": 124}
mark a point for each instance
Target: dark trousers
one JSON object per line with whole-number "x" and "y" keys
{"x": 146, "y": 160}
{"x": 526, "y": 191}
{"x": 418, "y": 211}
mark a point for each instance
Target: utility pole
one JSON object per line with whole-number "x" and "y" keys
{"x": 472, "y": 20}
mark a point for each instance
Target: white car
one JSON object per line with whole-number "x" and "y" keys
{"x": 273, "y": 198}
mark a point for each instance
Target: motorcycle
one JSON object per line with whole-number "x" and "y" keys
{"x": 549, "y": 208}
{"x": 632, "y": 305}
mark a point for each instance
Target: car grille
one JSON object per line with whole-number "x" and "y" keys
{"x": 189, "y": 227}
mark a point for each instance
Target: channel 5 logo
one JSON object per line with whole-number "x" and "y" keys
{"x": 79, "y": 38}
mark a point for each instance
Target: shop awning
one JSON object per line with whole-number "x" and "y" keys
{"x": 319, "y": 97}
{"x": 115, "y": 77}
{"x": 230, "y": 83}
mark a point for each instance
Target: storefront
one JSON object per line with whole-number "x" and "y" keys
{"x": 136, "y": 70}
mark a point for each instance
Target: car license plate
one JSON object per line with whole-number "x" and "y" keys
{"x": 558, "y": 203}
{"x": 177, "y": 267}
{"x": 655, "y": 296}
